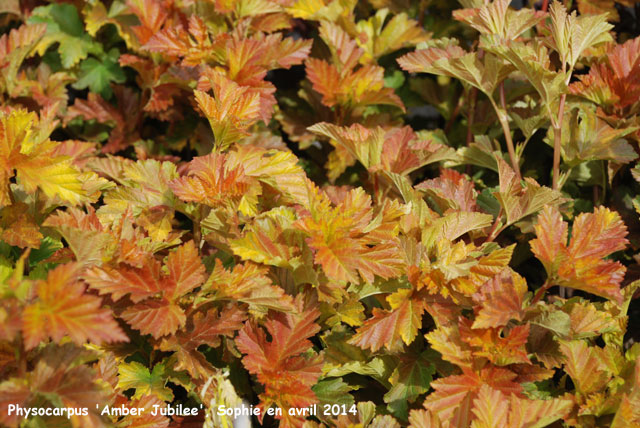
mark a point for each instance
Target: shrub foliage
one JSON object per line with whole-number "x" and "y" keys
{"x": 418, "y": 213}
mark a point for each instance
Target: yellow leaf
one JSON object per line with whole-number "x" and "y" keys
{"x": 56, "y": 178}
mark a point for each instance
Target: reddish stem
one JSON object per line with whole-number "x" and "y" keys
{"x": 540, "y": 292}
{"x": 494, "y": 227}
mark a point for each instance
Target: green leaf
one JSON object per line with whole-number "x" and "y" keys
{"x": 67, "y": 18}
{"x": 453, "y": 226}
{"x": 532, "y": 60}
{"x": 97, "y": 75}
{"x": 411, "y": 378}
{"x": 586, "y": 137}
{"x": 334, "y": 391}
{"x": 480, "y": 153}
{"x": 6, "y": 269}
{"x": 48, "y": 246}
{"x": 553, "y": 320}
{"x": 484, "y": 74}
{"x": 379, "y": 286}
{"x": 64, "y": 27}
{"x": 135, "y": 375}
{"x": 395, "y": 80}
{"x": 488, "y": 203}
{"x": 572, "y": 35}
{"x": 522, "y": 198}
{"x": 341, "y": 358}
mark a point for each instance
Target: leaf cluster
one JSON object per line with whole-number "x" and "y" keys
{"x": 422, "y": 213}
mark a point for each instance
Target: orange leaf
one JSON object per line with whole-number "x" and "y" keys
{"x": 585, "y": 365}
{"x": 453, "y": 395}
{"x": 454, "y": 187}
{"x": 342, "y": 247}
{"x": 614, "y": 84}
{"x": 422, "y": 418}
{"x": 152, "y": 14}
{"x": 447, "y": 341}
{"x": 248, "y": 283}
{"x": 186, "y": 270}
{"x": 390, "y": 329}
{"x": 552, "y": 234}
{"x": 231, "y": 110}
{"x": 155, "y": 317}
{"x": 63, "y": 309}
{"x": 493, "y": 408}
{"x": 325, "y": 80}
{"x": 500, "y": 300}
{"x": 203, "y": 330}
{"x": 212, "y": 181}
{"x": 279, "y": 364}
{"x": 139, "y": 283}
{"x": 581, "y": 264}
{"x": 18, "y": 227}
{"x": 490, "y": 408}
{"x": 497, "y": 345}
{"x": 344, "y": 50}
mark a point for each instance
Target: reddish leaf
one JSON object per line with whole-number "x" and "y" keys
{"x": 390, "y": 329}
{"x": 501, "y": 300}
{"x": 63, "y": 309}
{"x": 454, "y": 395}
{"x": 615, "y": 84}
{"x": 499, "y": 346}
{"x": 18, "y": 38}
{"x": 124, "y": 118}
{"x": 18, "y": 227}
{"x": 138, "y": 283}
{"x": 279, "y": 364}
{"x": 59, "y": 372}
{"x": 186, "y": 270}
{"x": 580, "y": 264}
{"x": 211, "y": 181}
{"x": 157, "y": 310}
{"x": 13, "y": 391}
{"x": 152, "y": 14}
{"x": 203, "y": 330}
{"x": 248, "y": 283}
{"x": 454, "y": 187}
{"x": 157, "y": 317}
